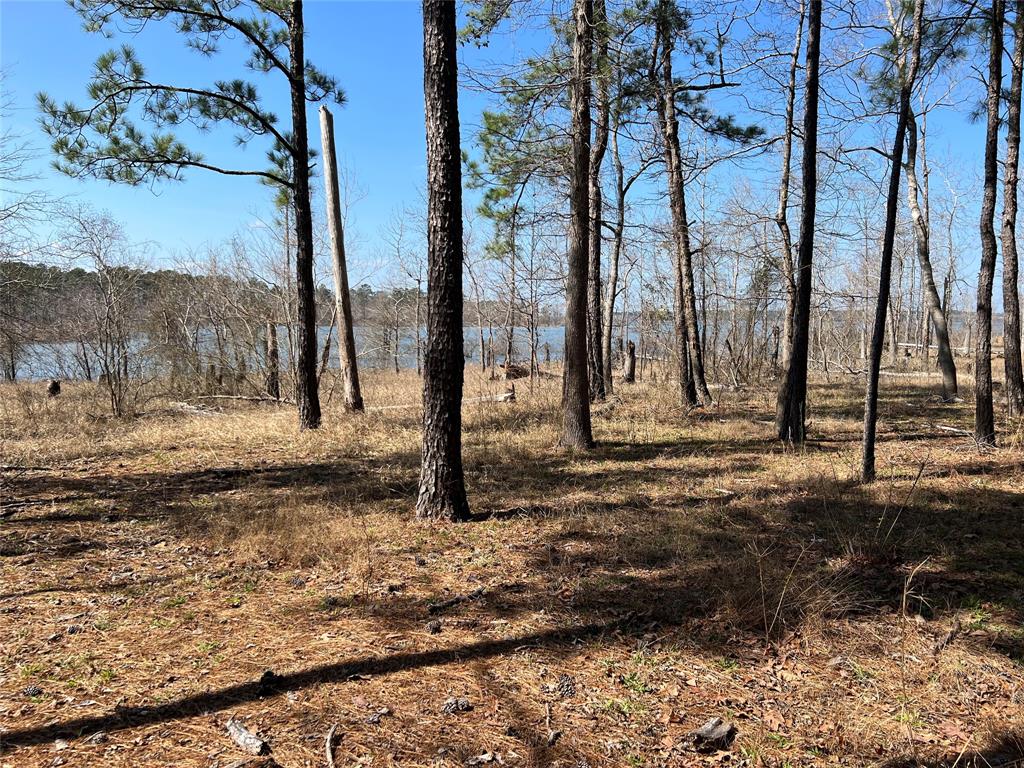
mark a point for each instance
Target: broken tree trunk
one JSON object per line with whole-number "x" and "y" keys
{"x": 351, "y": 395}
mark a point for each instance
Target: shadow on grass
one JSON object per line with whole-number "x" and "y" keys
{"x": 760, "y": 561}
{"x": 271, "y": 686}
{"x": 1003, "y": 752}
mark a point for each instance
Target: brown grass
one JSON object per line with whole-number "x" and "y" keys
{"x": 689, "y": 567}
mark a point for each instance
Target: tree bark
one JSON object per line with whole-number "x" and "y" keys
{"x": 1011, "y": 291}
{"x": 576, "y": 429}
{"x": 629, "y": 369}
{"x": 306, "y": 390}
{"x": 352, "y": 398}
{"x": 984, "y": 418}
{"x": 909, "y": 73}
{"x": 680, "y": 225}
{"x": 922, "y": 236}
{"x": 442, "y": 492}
{"x": 273, "y": 362}
{"x": 595, "y": 348}
{"x": 781, "y": 218}
{"x": 791, "y": 406}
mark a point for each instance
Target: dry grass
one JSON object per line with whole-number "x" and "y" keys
{"x": 689, "y": 567}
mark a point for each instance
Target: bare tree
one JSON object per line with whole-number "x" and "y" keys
{"x": 923, "y": 240}
{"x": 352, "y": 398}
{"x": 908, "y": 60}
{"x": 791, "y": 407}
{"x": 781, "y": 213}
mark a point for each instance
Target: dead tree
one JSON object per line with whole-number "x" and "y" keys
{"x": 352, "y": 398}
{"x": 923, "y": 240}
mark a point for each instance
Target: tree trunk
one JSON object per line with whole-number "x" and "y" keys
{"x": 781, "y": 218}
{"x": 325, "y": 356}
{"x": 595, "y": 347}
{"x": 1011, "y": 292}
{"x": 680, "y": 225}
{"x": 306, "y": 391}
{"x": 419, "y": 323}
{"x": 909, "y": 73}
{"x": 576, "y": 430}
{"x": 273, "y": 362}
{"x": 607, "y": 326}
{"x": 791, "y": 406}
{"x": 931, "y": 294}
{"x": 984, "y": 418}
{"x": 352, "y": 398}
{"x": 397, "y": 350}
{"x": 442, "y": 492}
{"x": 510, "y": 311}
{"x": 629, "y": 370}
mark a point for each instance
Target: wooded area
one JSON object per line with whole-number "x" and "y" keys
{"x": 679, "y": 422}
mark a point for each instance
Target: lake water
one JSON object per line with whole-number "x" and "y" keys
{"x": 58, "y": 360}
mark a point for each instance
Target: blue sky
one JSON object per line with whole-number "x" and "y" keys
{"x": 373, "y": 48}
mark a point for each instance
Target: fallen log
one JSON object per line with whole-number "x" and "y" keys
{"x": 953, "y": 430}
{"x": 504, "y": 397}
{"x": 247, "y": 398}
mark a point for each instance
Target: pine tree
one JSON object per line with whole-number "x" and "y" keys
{"x": 104, "y": 140}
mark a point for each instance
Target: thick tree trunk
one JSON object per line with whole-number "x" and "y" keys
{"x": 1011, "y": 290}
{"x": 576, "y": 430}
{"x": 932, "y": 301}
{"x": 352, "y": 398}
{"x": 442, "y": 492}
{"x": 781, "y": 217}
{"x": 909, "y": 73}
{"x": 791, "y": 407}
{"x": 306, "y": 391}
{"x": 595, "y": 348}
{"x": 680, "y": 225}
{"x": 984, "y": 418}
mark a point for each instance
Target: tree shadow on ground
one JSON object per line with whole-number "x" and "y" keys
{"x": 762, "y": 561}
{"x": 1003, "y": 752}
{"x": 273, "y": 685}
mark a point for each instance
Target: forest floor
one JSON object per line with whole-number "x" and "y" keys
{"x": 163, "y": 575}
